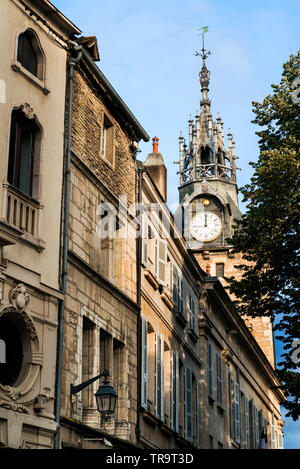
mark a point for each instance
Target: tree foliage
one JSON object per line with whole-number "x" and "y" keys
{"x": 268, "y": 233}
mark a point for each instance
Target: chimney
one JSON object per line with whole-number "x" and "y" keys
{"x": 156, "y": 169}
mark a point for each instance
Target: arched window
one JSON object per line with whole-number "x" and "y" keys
{"x": 22, "y": 152}
{"x": 29, "y": 53}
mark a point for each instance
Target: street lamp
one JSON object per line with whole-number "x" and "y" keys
{"x": 106, "y": 396}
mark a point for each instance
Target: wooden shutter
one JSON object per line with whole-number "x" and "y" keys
{"x": 161, "y": 261}
{"x": 273, "y": 437}
{"x": 175, "y": 391}
{"x": 145, "y": 240}
{"x": 247, "y": 434}
{"x": 144, "y": 363}
{"x": 219, "y": 377}
{"x": 280, "y": 440}
{"x": 237, "y": 429}
{"x": 229, "y": 395}
{"x": 188, "y": 404}
{"x": 192, "y": 311}
{"x": 175, "y": 285}
{"x": 181, "y": 296}
{"x": 159, "y": 375}
{"x": 209, "y": 369}
{"x": 255, "y": 429}
{"x": 198, "y": 414}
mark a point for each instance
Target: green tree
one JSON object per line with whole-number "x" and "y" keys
{"x": 268, "y": 233}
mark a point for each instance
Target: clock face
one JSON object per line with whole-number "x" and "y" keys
{"x": 206, "y": 226}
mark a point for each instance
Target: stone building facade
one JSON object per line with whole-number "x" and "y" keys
{"x": 100, "y": 323}
{"x": 206, "y": 383}
{"x": 33, "y": 35}
{"x": 95, "y": 272}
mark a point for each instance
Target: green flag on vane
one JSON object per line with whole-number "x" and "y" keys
{"x": 204, "y": 29}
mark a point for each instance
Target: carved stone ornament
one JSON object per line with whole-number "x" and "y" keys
{"x": 28, "y": 111}
{"x": 19, "y": 298}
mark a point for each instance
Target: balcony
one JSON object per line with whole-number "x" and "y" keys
{"x": 21, "y": 215}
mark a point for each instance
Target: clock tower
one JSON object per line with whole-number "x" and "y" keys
{"x": 208, "y": 187}
{"x": 208, "y": 199}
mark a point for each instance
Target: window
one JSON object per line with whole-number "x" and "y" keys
{"x": 177, "y": 289}
{"x": 220, "y": 445}
{"x": 159, "y": 376}
{"x": 254, "y": 426}
{"x": 22, "y": 153}
{"x": 192, "y": 315}
{"x": 175, "y": 391}
{"x": 29, "y": 53}
{"x": 107, "y": 144}
{"x": 11, "y": 351}
{"x": 198, "y": 414}
{"x": 280, "y": 440}
{"x": 144, "y": 363}
{"x": 210, "y": 442}
{"x": 220, "y": 270}
{"x": 161, "y": 261}
{"x": 247, "y": 427}
{"x": 188, "y": 386}
{"x": 237, "y": 413}
{"x": 219, "y": 377}
{"x": 26, "y": 53}
{"x": 273, "y": 436}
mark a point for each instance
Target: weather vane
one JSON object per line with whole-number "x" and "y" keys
{"x": 204, "y": 53}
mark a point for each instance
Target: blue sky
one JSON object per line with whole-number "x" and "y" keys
{"x": 147, "y": 53}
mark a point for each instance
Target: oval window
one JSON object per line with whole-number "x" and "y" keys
{"x": 11, "y": 351}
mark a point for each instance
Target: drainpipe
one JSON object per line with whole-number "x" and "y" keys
{"x": 139, "y": 176}
{"x": 72, "y": 62}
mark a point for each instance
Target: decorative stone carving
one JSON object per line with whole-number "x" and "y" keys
{"x": 19, "y": 298}
{"x": 28, "y": 111}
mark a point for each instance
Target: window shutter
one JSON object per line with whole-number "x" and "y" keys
{"x": 198, "y": 413}
{"x": 255, "y": 429}
{"x": 162, "y": 379}
{"x": 209, "y": 368}
{"x": 144, "y": 363}
{"x": 219, "y": 378}
{"x": 161, "y": 262}
{"x": 273, "y": 438}
{"x": 145, "y": 240}
{"x": 237, "y": 430}
{"x": 159, "y": 374}
{"x": 188, "y": 404}
{"x": 192, "y": 311}
{"x": 247, "y": 422}
{"x": 280, "y": 440}
{"x": 175, "y": 391}
{"x": 181, "y": 297}
{"x": 175, "y": 285}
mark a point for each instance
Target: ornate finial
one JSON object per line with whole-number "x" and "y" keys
{"x": 205, "y": 73}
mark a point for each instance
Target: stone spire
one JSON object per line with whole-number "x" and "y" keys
{"x": 205, "y": 156}
{"x": 204, "y": 76}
